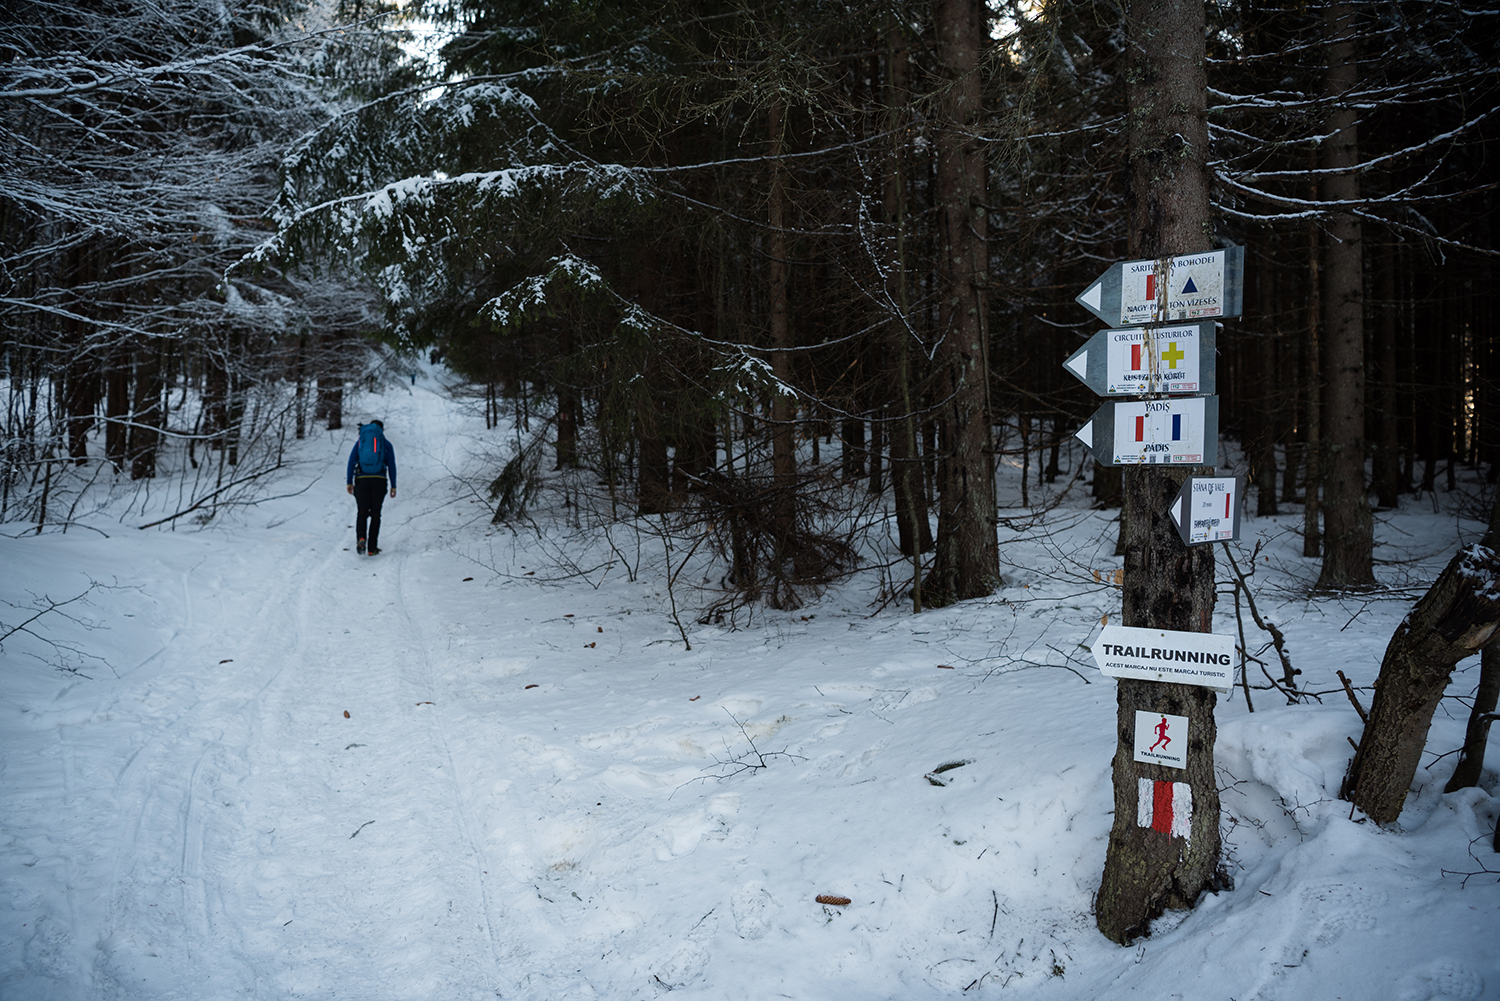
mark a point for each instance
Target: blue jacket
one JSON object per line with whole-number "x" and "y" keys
{"x": 390, "y": 464}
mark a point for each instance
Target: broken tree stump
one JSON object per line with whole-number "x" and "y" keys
{"x": 1457, "y": 616}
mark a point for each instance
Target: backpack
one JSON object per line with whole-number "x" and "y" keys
{"x": 372, "y": 449}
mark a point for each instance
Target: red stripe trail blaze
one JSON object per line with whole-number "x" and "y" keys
{"x": 1165, "y": 807}
{"x": 1161, "y": 807}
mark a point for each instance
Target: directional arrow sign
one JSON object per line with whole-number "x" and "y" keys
{"x": 1140, "y": 360}
{"x": 1174, "y": 432}
{"x": 1192, "y": 287}
{"x": 1166, "y": 655}
{"x": 1209, "y": 508}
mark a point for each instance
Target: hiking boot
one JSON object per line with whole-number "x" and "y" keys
{"x": 359, "y": 547}
{"x": 374, "y": 551}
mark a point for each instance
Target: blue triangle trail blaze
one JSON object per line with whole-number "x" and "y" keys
{"x": 1189, "y": 288}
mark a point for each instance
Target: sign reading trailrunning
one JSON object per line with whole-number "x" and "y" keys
{"x": 1206, "y": 659}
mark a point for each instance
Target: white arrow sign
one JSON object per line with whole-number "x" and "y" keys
{"x": 1206, "y": 659}
{"x": 1138, "y": 361}
{"x": 1175, "y": 432}
{"x": 1191, "y": 287}
{"x": 1209, "y": 509}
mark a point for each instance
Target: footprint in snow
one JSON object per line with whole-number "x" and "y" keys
{"x": 684, "y": 966}
{"x": 752, "y": 907}
{"x": 1341, "y": 907}
{"x": 1440, "y": 980}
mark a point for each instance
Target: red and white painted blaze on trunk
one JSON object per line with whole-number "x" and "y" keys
{"x": 1165, "y": 806}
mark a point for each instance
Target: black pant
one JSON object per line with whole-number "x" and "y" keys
{"x": 369, "y": 494}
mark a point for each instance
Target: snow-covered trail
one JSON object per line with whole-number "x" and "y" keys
{"x": 325, "y": 854}
{"x": 257, "y": 841}
{"x": 537, "y": 793}
{"x": 521, "y": 798}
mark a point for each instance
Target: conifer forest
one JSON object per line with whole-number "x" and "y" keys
{"x": 733, "y": 314}
{"x": 759, "y": 268}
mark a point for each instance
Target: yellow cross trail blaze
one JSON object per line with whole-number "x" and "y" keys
{"x": 1173, "y": 355}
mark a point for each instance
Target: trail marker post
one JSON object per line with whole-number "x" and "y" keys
{"x": 1159, "y": 354}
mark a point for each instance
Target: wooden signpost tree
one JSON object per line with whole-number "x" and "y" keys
{"x": 1152, "y": 865}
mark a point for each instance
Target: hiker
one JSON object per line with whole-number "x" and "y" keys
{"x": 370, "y": 461}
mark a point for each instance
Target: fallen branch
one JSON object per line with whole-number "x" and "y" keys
{"x": 214, "y": 493}
{"x": 743, "y": 762}
{"x": 1364, "y": 717}
{"x": 1289, "y": 673}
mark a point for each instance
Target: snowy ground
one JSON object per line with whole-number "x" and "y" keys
{"x": 280, "y": 770}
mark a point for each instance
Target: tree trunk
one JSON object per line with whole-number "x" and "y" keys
{"x": 1167, "y": 585}
{"x": 1477, "y": 734}
{"x": 215, "y": 397}
{"x": 329, "y": 404}
{"x": 80, "y": 402}
{"x": 1348, "y": 527}
{"x": 1108, "y": 488}
{"x": 234, "y": 432}
{"x": 852, "y": 434}
{"x": 1387, "y": 473}
{"x": 299, "y": 403}
{"x": 1312, "y": 405}
{"x": 148, "y": 412}
{"x": 908, "y": 486}
{"x": 1458, "y": 616}
{"x": 653, "y": 494}
{"x": 117, "y": 407}
{"x": 783, "y": 440}
{"x": 1268, "y": 418}
{"x": 968, "y": 555}
{"x": 567, "y": 404}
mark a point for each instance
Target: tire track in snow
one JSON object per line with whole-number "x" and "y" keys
{"x": 353, "y": 909}
{"x": 159, "y": 925}
{"x": 456, "y": 790}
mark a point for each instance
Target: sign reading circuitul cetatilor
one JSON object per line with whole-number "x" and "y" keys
{"x": 1135, "y": 361}
{"x": 1206, "y": 659}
